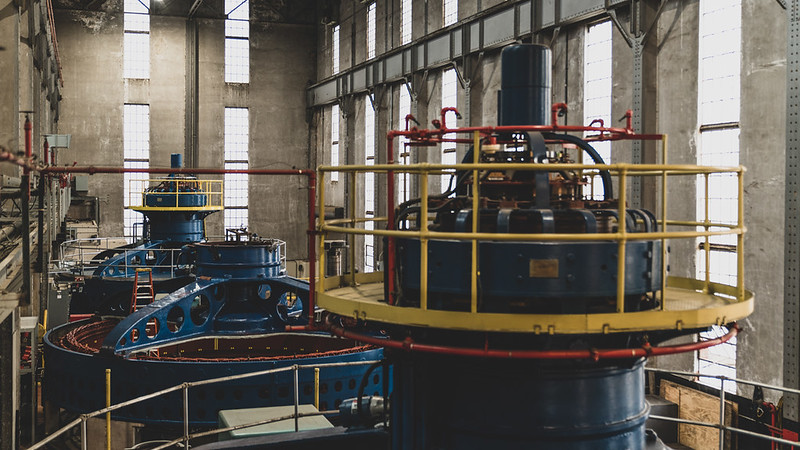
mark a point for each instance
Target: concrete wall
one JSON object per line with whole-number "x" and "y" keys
{"x": 283, "y": 62}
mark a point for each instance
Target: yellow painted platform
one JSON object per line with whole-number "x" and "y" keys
{"x": 685, "y": 306}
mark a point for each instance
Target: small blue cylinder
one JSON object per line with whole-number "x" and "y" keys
{"x": 176, "y": 161}
{"x": 238, "y": 261}
{"x": 524, "y": 96}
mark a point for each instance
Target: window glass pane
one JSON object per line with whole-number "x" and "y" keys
{"x": 237, "y": 60}
{"x": 237, "y": 144}
{"x": 405, "y": 28}
{"x": 335, "y": 140}
{"x": 402, "y": 179}
{"x": 371, "y": 31}
{"x": 335, "y": 50}
{"x": 237, "y": 28}
{"x": 450, "y": 15}
{"x": 449, "y": 99}
{"x": 237, "y": 9}
{"x": 719, "y": 101}
{"x": 136, "y": 55}
{"x": 597, "y": 86}
{"x": 137, "y": 6}
{"x": 137, "y": 22}
{"x": 136, "y": 154}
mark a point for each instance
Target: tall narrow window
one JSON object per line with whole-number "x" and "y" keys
{"x": 403, "y": 179}
{"x": 369, "y": 184}
{"x": 449, "y": 99}
{"x": 719, "y": 101}
{"x": 597, "y": 94}
{"x": 136, "y": 39}
{"x": 371, "y": 30}
{"x": 136, "y": 155}
{"x": 237, "y": 41}
{"x": 237, "y": 144}
{"x": 450, "y": 13}
{"x": 405, "y": 26}
{"x": 335, "y": 50}
{"x": 335, "y": 140}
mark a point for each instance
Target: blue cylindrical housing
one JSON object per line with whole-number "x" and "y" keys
{"x": 175, "y": 226}
{"x": 469, "y": 403}
{"x": 236, "y": 261}
{"x": 175, "y": 161}
{"x": 524, "y": 97}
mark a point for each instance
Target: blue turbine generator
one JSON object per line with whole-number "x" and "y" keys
{"x": 174, "y": 208}
{"x": 522, "y": 301}
{"x": 231, "y": 320}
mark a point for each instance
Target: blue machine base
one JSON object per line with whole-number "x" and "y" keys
{"x": 470, "y": 403}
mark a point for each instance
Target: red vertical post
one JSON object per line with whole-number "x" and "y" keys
{"x": 46, "y": 153}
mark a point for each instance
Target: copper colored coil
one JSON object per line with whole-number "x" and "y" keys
{"x": 87, "y": 338}
{"x": 144, "y": 356}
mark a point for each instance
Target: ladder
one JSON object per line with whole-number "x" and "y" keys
{"x": 142, "y": 289}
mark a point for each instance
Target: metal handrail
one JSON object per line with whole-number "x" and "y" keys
{"x": 74, "y": 258}
{"x": 82, "y": 420}
{"x": 354, "y": 224}
{"x": 138, "y": 189}
{"x": 721, "y": 424}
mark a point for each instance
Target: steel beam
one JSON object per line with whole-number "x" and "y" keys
{"x": 791, "y": 283}
{"x": 490, "y": 29}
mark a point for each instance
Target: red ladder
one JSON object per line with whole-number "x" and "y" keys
{"x": 142, "y": 289}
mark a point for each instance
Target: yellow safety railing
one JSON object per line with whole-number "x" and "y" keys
{"x": 352, "y": 225}
{"x": 175, "y": 194}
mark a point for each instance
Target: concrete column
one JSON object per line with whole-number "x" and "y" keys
{"x": 762, "y": 149}
{"x": 677, "y": 82}
{"x": 10, "y": 124}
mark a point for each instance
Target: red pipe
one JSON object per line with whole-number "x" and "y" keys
{"x": 444, "y": 113}
{"x": 623, "y": 353}
{"x": 554, "y": 110}
{"x": 46, "y": 153}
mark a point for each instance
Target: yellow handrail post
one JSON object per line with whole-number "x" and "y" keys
{"x": 423, "y": 242}
{"x": 352, "y": 258}
{"x": 663, "y": 219}
{"x": 321, "y": 269}
{"x": 621, "y": 229}
{"x": 316, "y": 388}
{"x": 476, "y": 151}
{"x": 740, "y": 240}
{"x": 706, "y": 226}
{"x": 108, "y": 414}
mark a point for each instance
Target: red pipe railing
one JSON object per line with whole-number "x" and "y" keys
{"x": 410, "y": 345}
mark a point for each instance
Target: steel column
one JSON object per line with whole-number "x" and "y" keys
{"x": 791, "y": 277}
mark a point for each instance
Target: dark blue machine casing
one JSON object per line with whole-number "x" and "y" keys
{"x": 524, "y": 98}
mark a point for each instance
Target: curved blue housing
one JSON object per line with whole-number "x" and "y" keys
{"x": 75, "y": 381}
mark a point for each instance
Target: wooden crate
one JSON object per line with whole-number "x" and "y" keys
{"x": 701, "y": 407}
